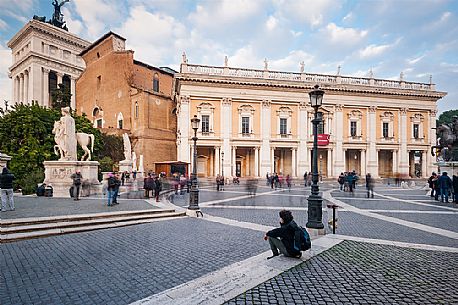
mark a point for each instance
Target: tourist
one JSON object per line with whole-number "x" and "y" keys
{"x": 431, "y": 183}
{"x": 288, "y": 182}
{"x": 370, "y": 186}
{"x": 309, "y": 179}
{"x": 281, "y": 240}
{"x": 455, "y": 188}
{"x": 157, "y": 188}
{"x": 445, "y": 184}
{"x": 6, "y": 189}
{"x": 76, "y": 185}
{"x": 218, "y": 182}
{"x": 116, "y": 189}
{"x": 305, "y": 179}
{"x": 341, "y": 181}
{"x": 111, "y": 188}
{"x": 123, "y": 178}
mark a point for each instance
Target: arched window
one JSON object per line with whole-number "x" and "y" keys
{"x": 95, "y": 112}
{"x": 120, "y": 121}
{"x": 156, "y": 82}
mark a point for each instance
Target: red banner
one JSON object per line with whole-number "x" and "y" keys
{"x": 323, "y": 139}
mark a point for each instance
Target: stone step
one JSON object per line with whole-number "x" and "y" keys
{"x": 28, "y": 231}
{"x": 77, "y": 217}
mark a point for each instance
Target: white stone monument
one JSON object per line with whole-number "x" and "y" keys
{"x": 126, "y": 164}
{"x": 57, "y": 173}
{"x": 141, "y": 168}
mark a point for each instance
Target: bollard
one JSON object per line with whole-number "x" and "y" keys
{"x": 332, "y": 217}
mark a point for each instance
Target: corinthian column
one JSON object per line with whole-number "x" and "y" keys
{"x": 403, "y": 153}
{"x": 45, "y": 83}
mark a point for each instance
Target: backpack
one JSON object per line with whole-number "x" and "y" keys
{"x": 302, "y": 240}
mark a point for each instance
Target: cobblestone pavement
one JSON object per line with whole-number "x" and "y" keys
{"x": 121, "y": 265}
{"x": 26, "y": 206}
{"x": 360, "y": 273}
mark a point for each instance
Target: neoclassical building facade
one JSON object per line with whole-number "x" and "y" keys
{"x": 43, "y": 57}
{"x": 255, "y": 122}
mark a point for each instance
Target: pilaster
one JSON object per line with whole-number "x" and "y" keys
{"x": 403, "y": 153}
{"x": 372, "y": 165}
{"x": 266, "y": 161}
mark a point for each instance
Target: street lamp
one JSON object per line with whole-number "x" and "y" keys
{"x": 194, "y": 195}
{"x": 315, "y": 213}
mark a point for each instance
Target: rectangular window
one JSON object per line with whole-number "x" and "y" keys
{"x": 385, "y": 130}
{"x": 99, "y": 123}
{"x": 205, "y": 123}
{"x": 353, "y": 129}
{"x": 156, "y": 85}
{"x": 120, "y": 124}
{"x": 245, "y": 125}
{"x": 283, "y": 126}
{"x": 416, "y": 131}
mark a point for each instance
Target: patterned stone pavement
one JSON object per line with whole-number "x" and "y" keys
{"x": 360, "y": 273}
{"x": 123, "y": 265}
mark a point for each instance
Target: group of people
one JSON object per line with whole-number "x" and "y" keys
{"x": 444, "y": 186}
{"x": 347, "y": 181}
{"x": 219, "y": 182}
{"x": 276, "y": 180}
{"x": 152, "y": 183}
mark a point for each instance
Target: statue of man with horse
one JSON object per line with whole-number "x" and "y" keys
{"x": 447, "y": 140}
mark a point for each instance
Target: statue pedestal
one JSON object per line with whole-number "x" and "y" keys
{"x": 57, "y": 174}
{"x": 451, "y": 167}
{"x": 125, "y": 166}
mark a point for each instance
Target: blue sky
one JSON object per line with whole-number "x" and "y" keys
{"x": 417, "y": 37}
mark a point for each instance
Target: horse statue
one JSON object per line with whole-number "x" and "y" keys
{"x": 84, "y": 139}
{"x": 447, "y": 142}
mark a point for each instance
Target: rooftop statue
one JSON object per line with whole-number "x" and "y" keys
{"x": 57, "y": 17}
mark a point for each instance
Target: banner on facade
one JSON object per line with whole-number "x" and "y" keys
{"x": 323, "y": 139}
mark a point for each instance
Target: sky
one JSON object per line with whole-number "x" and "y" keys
{"x": 416, "y": 37}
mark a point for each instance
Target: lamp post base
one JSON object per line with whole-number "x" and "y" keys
{"x": 194, "y": 213}
{"x": 315, "y": 212}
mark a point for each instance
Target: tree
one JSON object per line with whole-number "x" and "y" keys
{"x": 26, "y": 135}
{"x": 446, "y": 117}
{"x": 61, "y": 97}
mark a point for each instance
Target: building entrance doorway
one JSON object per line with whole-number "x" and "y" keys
{"x": 415, "y": 162}
{"x": 238, "y": 168}
{"x": 385, "y": 163}
{"x": 353, "y": 161}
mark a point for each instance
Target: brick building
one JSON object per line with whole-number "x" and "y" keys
{"x": 120, "y": 94}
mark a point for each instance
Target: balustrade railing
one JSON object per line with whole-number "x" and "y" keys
{"x": 303, "y": 77}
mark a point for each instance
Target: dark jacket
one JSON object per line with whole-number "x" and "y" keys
{"x": 77, "y": 178}
{"x": 445, "y": 182}
{"x": 111, "y": 183}
{"x": 286, "y": 233}
{"x": 455, "y": 184}
{"x": 6, "y": 179}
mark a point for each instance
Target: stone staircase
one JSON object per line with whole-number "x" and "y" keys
{"x": 27, "y": 228}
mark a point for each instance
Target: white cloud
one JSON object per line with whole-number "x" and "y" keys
{"x": 341, "y": 35}
{"x": 74, "y": 25}
{"x": 271, "y": 23}
{"x": 5, "y": 81}
{"x": 348, "y": 18}
{"x": 373, "y": 50}
{"x": 310, "y": 12}
{"x": 292, "y": 62}
{"x": 245, "y": 57}
{"x": 413, "y": 61}
{"x": 96, "y": 15}
{"x": 3, "y": 25}
{"x": 296, "y": 34}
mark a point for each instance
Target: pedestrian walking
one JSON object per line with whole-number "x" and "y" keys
{"x": 341, "y": 181}
{"x": 309, "y": 179}
{"x": 288, "y": 182}
{"x": 445, "y": 184}
{"x": 218, "y": 182}
{"x": 455, "y": 188}
{"x": 281, "y": 240}
{"x": 6, "y": 189}
{"x": 111, "y": 188}
{"x": 305, "y": 179}
{"x": 77, "y": 179}
{"x": 116, "y": 189}
{"x": 431, "y": 183}
{"x": 370, "y": 186}
{"x": 157, "y": 188}
{"x": 123, "y": 178}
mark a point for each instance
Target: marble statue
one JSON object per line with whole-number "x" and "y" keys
{"x": 127, "y": 147}
{"x": 141, "y": 168}
{"x": 134, "y": 161}
{"x": 65, "y": 136}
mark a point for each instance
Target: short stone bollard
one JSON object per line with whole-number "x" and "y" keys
{"x": 332, "y": 217}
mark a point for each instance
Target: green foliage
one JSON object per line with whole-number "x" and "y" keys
{"x": 61, "y": 97}
{"x": 26, "y": 135}
{"x": 446, "y": 117}
{"x": 113, "y": 147}
{"x": 106, "y": 164}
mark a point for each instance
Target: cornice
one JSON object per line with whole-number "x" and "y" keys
{"x": 38, "y": 58}
{"x": 48, "y": 29}
{"x": 337, "y": 88}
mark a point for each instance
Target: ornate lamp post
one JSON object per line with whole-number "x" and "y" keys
{"x": 315, "y": 213}
{"x": 194, "y": 195}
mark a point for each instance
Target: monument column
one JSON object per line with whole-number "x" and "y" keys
{"x": 403, "y": 153}
{"x": 26, "y": 86}
{"x": 256, "y": 161}
{"x": 15, "y": 89}
{"x": 363, "y": 162}
{"x": 21, "y": 88}
{"x": 339, "y": 165}
{"x": 73, "y": 92}
{"x": 45, "y": 87}
{"x": 432, "y": 141}
{"x": 372, "y": 165}
{"x": 226, "y": 133}
{"x": 272, "y": 160}
{"x": 217, "y": 160}
{"x": 234, "y": 159}
{"x": 395, "y": 161}
{"x": 293, "y": 163}
{"x": 265, "y": 156}
{"x": 303, "y": 130}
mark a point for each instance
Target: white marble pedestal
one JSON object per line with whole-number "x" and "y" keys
{"x": 57, "y": 174}
{"x": 451, "y": 167}
{"x": 125, "y": 166}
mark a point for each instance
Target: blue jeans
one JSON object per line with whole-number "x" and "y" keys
{"x": 444, "y": 192}
{"x": 110, "y": 196}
